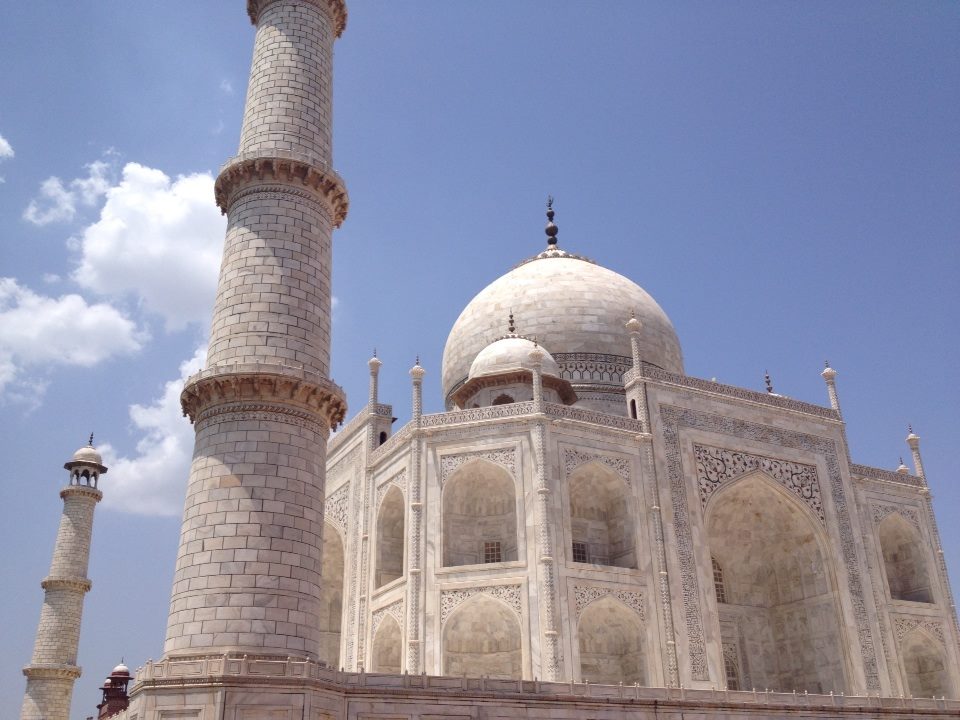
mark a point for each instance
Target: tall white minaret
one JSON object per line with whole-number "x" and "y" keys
{"x": 53, "y": 669}
{"x": 247, "y": 579}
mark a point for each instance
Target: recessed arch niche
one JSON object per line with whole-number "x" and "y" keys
{"x": 610, "y": 637}
{"x": 778, "y": 595}
{"x": 481, "y": 638}
{"x": 389, "y": 564}
{"x": 479, "y": 515}
{"x": 331, "y": 596}
{"x": 385, "y": 655}
{"x": 602, "y": 525}
{"x": 924, "y": 665}
{"x": 903, "y": 560}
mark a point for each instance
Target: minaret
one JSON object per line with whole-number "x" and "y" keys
{"x": 248, "y": 570}
{"x": 53, "y": 669}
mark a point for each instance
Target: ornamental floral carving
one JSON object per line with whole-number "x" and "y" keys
{"x": 586, "y": 594}
{"x": 451, "y": 599}
{"x": 716, "y": 466}
{"x": 904, "y": 624}
{"x": 394, "y": 609}
{"x": 336, "y": 506}
{"x": 572, "y": 459}
{"x": 505, "y": 458}
{"x": 881, "y": 512}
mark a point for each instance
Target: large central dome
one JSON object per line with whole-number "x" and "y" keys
{"x": 576, "y": 310}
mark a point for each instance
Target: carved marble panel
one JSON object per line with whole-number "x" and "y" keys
{"x": 716, "y": 466}
{"x": 399, "y": 480}
{"x": 572, "y": 459}
{"x": 902, "y": 624}
{"x": 586, "y": 594}
{"x": 504, "y": 457}
{"x": 451, "y": 599}
{"x": 394, "y": 609}
{"x": 881, "y": 511}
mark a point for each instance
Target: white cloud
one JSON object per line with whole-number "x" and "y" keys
{"x": 58, "y": 202}
{"x": 38, "y": 330}
{"x": 158, "y": 240}
{"x": 226, "y": 87}
{"x": 153, "y": 481}
{"x": 6, "y": 149}
{"x": 51, "y": 278}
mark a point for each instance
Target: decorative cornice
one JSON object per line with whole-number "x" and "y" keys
{"x": 82, "y": 491}
{"x": 872, "y": 473}
{"x": 337, "y": 8}
{"x": 285, "y": 389}
{"x": 66, "y": 583}
{"x": 61, "y": 672}
{"x": 652, "y": 372}
{"x": 287, "y": 169}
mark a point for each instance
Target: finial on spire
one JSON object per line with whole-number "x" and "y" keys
{"x": 418, "y": 359}
{"x": 910, "y": 428}
{"x": 90, "y": 441}
{"x": 374, "y": 352}
{"x": 511, "y": 326}
{"x": 769, "y": 383}
{"x": 551, "y": 229}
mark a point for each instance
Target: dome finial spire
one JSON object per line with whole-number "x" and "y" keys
{"x": 90, "y": 441}
{"x": 511, "y": 326}
{"x": 551, "y": 229}
{"x": 768, "y": 381}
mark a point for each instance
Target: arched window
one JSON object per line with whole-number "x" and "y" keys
{"x": 482, "y": 639}
{"x": 903, "y": 559}
{"x": 331, "y": 597}
{"x": 389, "y": 538}
{"x": 925, "y": 666}
{"x": 385, "y": 655}
{"x": 601, "y": 517}
{"x": 718, "y": 581}
{"x": 383, "y": 436}
{"x": 769, "y": 551}
{"x": 479, "y": 515}
{"x": 610, "y": 636}
{"x": 502, "y": 399}
{"x": 633, "y": 409}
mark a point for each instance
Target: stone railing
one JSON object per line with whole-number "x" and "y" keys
{"x": 654, "y": 373}
{"x": 892, "y": 476}
{"x": 569, "y": 412}
{"x": 219, "y": 670}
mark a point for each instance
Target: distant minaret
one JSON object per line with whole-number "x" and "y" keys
{"x": 247, "y": 579}
{"x": 53, "y": 669}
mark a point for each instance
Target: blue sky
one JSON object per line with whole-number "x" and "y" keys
{"x": 782, "y": 177}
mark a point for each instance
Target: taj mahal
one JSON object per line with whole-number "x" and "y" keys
{"x": 585, "y": 531}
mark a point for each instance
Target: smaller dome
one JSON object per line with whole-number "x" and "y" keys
{"x": 120, "y": 669}
{"x": 509, "y": 354}
{"x": 87, "y": 454}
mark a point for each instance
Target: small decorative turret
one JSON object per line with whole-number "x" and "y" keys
{"x": 374, "y": 363}
{"x": 114, "y": 690}
{"x": 53, "y": 669}
{"x": 634, "y": 327}
{"x": 913, "y": 440}
{"x": 416, "y": 374}
{"x": 903, "y": 469}
{"x": 829, "y": 376}
{"x": 536, "y": 356}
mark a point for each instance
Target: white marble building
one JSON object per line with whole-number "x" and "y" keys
{"x": 585, "y": 511}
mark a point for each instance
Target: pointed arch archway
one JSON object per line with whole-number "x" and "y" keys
{"x": 602, "y": 517}
{"x": 482, "y": 638}
{"x": 778, "y": 587}
{"x": 479, "y": 515}
{"x": 610, "y": 637}
{"x": 904, "y": 560}
{"x": 330, "y": 613}
{"x": 387, "y": 647}
{"x": 924, "y": 665}
{"x": 389, "y": 559}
